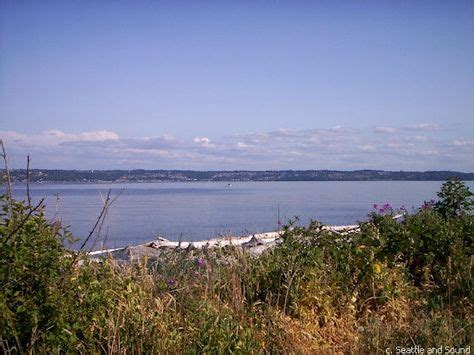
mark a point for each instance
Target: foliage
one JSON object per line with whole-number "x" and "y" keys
{"x": 455, "y": 198}
{"x": 393, "y": 282}
{"x": 32, "y": 263}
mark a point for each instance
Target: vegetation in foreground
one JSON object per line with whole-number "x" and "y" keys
{"x": 394, "y": 283}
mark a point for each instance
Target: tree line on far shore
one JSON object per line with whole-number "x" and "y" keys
{"x": 140, "y": 175}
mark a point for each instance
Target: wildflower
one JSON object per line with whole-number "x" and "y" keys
{"x": 427, "y": 204}
{"x": 200, "y": 262}
{"x": 385, "y": 208}
{"x": 375, "y": 206}
{"x": 377, "y": 268}
{"x": 172, "y": 283}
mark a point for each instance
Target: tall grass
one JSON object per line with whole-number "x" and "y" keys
{"x": 393, "y": 283}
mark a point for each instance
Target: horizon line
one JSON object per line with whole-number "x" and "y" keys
{"x": 251, "y": 170}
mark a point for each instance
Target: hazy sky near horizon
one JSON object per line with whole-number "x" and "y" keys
{"x": 238, "y": 84}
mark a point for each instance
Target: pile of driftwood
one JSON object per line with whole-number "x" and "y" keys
{"x": 255, "y": 244}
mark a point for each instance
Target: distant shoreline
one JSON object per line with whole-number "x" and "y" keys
{"x": 157, "y": 176}
{"x": 23, "y": 183}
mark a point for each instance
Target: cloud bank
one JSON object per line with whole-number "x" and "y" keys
{"x": 414, "y": 147}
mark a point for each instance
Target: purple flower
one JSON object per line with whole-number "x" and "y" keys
{"x": 386, "y": 208}
{"x": 172, "y": 283}
{"x": 374, "y": 206}
{"x": 200, "y": 262}
{"x": 427, "y": 204}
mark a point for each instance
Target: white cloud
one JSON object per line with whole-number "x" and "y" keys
{"x": 203, "y": 140}
{"x": 242, "y": 145}
{"x": 388, "y": 130}
{"x": 464, "y": 143}
{"x": 54, "y": 133}
{"x": 341, "y": 148}
{"x": 423, "y": 127}
{"x": 97, "y": 136}
{"x": 53, "y": 137}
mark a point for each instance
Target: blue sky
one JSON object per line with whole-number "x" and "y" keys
{"x": 238, "y": 84}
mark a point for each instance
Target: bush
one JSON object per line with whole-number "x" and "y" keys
{"x": 33, "y": 262}
{"x": 455, "y": 199}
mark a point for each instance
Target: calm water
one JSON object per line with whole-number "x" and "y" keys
{"x": 193, "y": 211}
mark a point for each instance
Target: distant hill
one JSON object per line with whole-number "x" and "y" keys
{"x": 46, "y": 175}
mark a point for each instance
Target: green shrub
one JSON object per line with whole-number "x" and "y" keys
{"x": 455, "y": 198}
{"x": 33, "y": 262}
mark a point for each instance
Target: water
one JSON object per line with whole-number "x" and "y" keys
{"x": 201, "y": 210}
